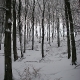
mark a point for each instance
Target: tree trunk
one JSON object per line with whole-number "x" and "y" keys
{"x": 20, "y": 28}
{"x": 53, "y": 28}
{"x": 7, "y": 44}
{"x": 25, "y": 36}
{"x": 14, "y": 32}
{"x": 25, "y": 29}
{"x": 49, "y": 21}
{"x": 43, "y": 29}
{"x": 58, "y": 36}
{"x": 33, "y": 24}
{"x": 29, "y": 31}
{"x": 68, "y": 34}
{"x": 36, "y": 30}
{"x": 74, "y": 58}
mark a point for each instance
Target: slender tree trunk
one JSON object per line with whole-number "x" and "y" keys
{"x": 52, "y": 33}
{"x": 49, "y": 33}
{"x": 29, "y": 31}
{"x": 36, "y": 30}
{"x": 33, "y": 24}
{"x": 14, "y": 32}
{"x": 49, "y": 21}
{"x": 25, "y": 36}
{"x": 53, "y": 28}
{"x": 20, "y": 28}
{"x": 7, "y": 44}
{"x": 58, "y": 36}
{"x": 68, "y": 34}
{"x": 43, "y": 29}
{"x": 74, "y": 58}
{"x": 25, "y": 29}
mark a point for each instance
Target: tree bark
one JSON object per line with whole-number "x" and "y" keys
{"x": 25, "y": 29}
{"x": 14, "y": 32}
{"x": 43, "y": 29}
{"x": 49, "y": 21}
{"x": 33, "y": 24}
{"x": 53, "y": 28}
{"x": 7, "y": 44}
{"x": 74, "y": 58}
{"x": 68, "y": 34}
{"x": 20, "y": 28}
{"x": 58, "y": 35}
{"x": 63, "y": 30}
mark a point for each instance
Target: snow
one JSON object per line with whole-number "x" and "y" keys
{"x": 9, "y": 20}
{"x": 54, "y": 66}
{"x": 8, "y": 30}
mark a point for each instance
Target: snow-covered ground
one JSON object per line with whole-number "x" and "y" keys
{"x": 54, "y": 66}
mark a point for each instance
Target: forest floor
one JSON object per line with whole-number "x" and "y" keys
{"x": 54, "y": 66}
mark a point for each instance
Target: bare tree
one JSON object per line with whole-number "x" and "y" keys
{"x": 14, "y": 31}
{"x": 33, "y": 24}
{"x": 26, "y": 11}
{"x": 43, "y": 11}
{"x": 20, "y": 28}
{"x": 74, "y": 58}
{"x": 49, "y": 21}
{"x": 7, "y": 44}
{"x": 68, "y": 33}
{"x": 58, "y": 35}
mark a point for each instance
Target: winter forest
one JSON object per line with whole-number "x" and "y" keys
{"x": 39, "y": 39}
